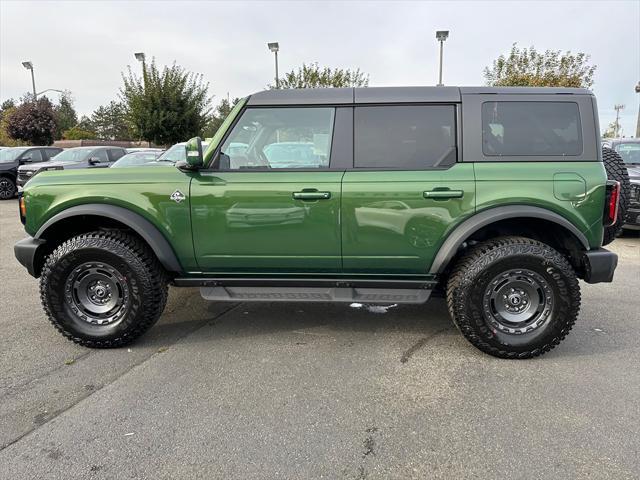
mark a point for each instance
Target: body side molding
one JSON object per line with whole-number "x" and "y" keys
{"x": 486, "y": 217}
{"x": 143, "y": 227}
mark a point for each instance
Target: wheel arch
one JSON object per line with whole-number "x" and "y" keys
{"x": 506, "y": 215}
{"x": 111, "y": 216}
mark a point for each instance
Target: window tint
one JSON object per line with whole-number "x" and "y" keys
{"x": 115, "y": 153}
{"x": 531, "y": 128}
{"x": 33, "y": 155}
{"x": 280, "y": 138}
{"x": 50, "y": 153}
{"x": 408, "y": 137}
{"x": 100, "y": 154}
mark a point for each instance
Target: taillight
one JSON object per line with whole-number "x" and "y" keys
{"x": 23, "y": 209}
{"x": 612, "y": 199}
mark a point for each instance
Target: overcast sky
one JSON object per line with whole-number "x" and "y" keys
{"x": 83, "y": 46}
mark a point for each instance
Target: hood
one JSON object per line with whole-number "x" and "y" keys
{"x": 8, "y": 166}
{"x": 34, "y": 167}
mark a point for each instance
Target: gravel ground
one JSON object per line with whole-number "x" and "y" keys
{"x": 316, "y": 391}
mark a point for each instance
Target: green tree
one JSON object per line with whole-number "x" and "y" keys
{"x": 78, "y": 133}
{"x": 165, "y": 106}
{"x": 528, "y": 67}
{"x": 33, "y": 122}
{"x": 66, "y": 116}
{"x": 109, "y": 122}
{"x": 314, "y": 76}
{"x": 219, "y": 114}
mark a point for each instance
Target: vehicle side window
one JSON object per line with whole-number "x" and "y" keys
{"x": 531, "y": 129}
{"x": 276, "y": 138}
{"x": 33, "y": 155}
{"x": 101, "y": 154}
{"x": 412, "y": 137}
{"x": 49, "y": 153}
{"x": 115, "y": 154}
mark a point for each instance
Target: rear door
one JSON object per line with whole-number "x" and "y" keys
{"x": 271, "y": 201}
{"x": 406, "y": 189}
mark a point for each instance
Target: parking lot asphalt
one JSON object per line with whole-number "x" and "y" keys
{"x": 316, "y": 391}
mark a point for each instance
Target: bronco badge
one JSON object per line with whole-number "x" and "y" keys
{"x": 177, "y": 196}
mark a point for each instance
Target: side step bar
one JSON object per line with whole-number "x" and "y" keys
{"x": 314, "y": 294}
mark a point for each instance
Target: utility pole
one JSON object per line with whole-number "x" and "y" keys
{"x": 617, "y": 108}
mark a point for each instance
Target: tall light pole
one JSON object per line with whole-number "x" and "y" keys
{"x": 638, "y": 122}
{"x": 274, "y": 47}
{"x": 29, "y": 66}
{"x": 441, "y": 36}
{"x": 617, "y": 109}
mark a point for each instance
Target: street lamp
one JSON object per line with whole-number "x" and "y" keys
{"x": 139, "y": 56}
{"x": 274, "y": 47}
{"x": 638, "y": 122}
{"x": 441, "y": 36}
{"x": 29, "y": 66}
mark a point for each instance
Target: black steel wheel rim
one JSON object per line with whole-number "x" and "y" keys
{"x": 97, "y": 293}
{"x": 518, "y": 301}
{"x": 6, "y": 188}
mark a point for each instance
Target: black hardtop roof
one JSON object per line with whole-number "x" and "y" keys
{"x": 333, "y": 96}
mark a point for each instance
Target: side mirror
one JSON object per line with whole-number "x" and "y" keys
{"x": 94, "y": 160}
{"x": 195, "y": 158}
{"x": 25, "y": 160}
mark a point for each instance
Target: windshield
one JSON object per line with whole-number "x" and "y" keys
{"x": 10, "y": 154}
{"x": 73, "y": 155}
{"x": 630, "y": 152}
{"x": 136, "y": 159}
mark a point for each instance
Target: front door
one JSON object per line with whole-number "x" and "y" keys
{"x": 271, "y": 202}
{"x": 406, "y": 190}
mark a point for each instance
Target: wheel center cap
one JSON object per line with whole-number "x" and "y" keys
{"x": 515, "y": 300}
{"x": 100, "y": 292}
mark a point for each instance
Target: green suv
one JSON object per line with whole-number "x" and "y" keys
{"x": 498, "y": 197}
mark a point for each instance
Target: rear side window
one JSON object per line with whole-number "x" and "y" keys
{"x": 115, "y": 153}
{"x": 411, "y": 137}
{"x": 531, "y": 129}
{"x": 100, "y": 154}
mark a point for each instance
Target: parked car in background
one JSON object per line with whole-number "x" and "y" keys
{"x": 138, "y": 159}
{"x": 12, "y": 157}
{"x": 72, "y": 158}
{"x": 629, "y": 150}
{"x": 177, "y": 153}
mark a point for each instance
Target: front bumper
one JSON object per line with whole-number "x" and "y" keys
{"x": 599, "y": 265}
{"x": 27, "y": 252}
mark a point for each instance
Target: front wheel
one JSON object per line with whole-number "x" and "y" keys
{"x": 513, "y": 297}
{"x": 103, "y": 289}
{"x": 7, "y": 188}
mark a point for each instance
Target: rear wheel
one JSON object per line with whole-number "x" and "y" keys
{"x": 7, "y": 188}
{"x": 103, "y": 289}
{"x": 616, "y": 170}
{"x": 513, "y": 297}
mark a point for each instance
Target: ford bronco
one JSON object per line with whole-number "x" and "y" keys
{"x": 497, "y": 197}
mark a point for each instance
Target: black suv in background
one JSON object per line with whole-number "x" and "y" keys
{"x": 72, "y": 158}
{"x": 12, "y": 158}
{"x": 629, "y": 151}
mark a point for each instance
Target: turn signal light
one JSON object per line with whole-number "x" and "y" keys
{"x": 23, "y": 209}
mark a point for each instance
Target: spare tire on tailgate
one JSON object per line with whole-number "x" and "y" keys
{"x": 616, "y": 170}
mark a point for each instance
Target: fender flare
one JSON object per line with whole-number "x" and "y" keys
{"x": 143, "y": 227}
{"x": 487, "y": 217}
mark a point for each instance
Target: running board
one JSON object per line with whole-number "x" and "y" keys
{"x": 314, "y": 294}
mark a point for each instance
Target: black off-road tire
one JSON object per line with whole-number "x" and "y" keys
{"x": 616, "y": 170}
{"x": 473, "y": 282}
{"x": 115, "y": 258}
{"x": 7, "y": 188}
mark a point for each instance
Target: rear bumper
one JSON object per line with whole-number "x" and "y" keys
{"x": 26, "y": 251}
{"x": 599, "y": 265}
